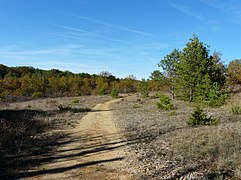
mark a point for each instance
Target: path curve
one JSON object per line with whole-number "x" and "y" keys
{"x": 94, "y": 149}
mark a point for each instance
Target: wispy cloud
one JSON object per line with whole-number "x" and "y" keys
{"x": 232, "y": 10}
{"x": 114, "y": 26}
{"x": 74, "y": 67}
{"x": 84, "y": 58}
{"x": 76, "y": 33}
{"x": 68, "y": 50}
{"x": 53, "y": 50}
{"x": 74, "y": 57}
{"x": 69, "y": 28}
{"x": 187, "y": 10}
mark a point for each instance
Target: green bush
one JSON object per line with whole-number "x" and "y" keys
{"x": 165, "y": 103}
{"x": 217, "y": 102}
{"x": 143, "y": 88}
{"x": 37, "y": 95}
{"x": 198, "y": 117}
{"x": 101, "y": 92}
{"x": 114, "y": 93}
{"x": 236, "y": 110}
{"x": 75, "y": 101}
{"x": 215, "y": 97}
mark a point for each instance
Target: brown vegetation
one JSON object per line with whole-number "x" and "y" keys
{"x": 34, "y": 128}
{"x": 17, "y": 83}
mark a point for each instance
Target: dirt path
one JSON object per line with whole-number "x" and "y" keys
{"x": 93, "y": 150}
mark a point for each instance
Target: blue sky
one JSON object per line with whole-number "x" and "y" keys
{"x": 120, "y": 36}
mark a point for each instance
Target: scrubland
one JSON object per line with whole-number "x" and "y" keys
{"x": 170, "y": 149}
{"x": 165, "y": 147}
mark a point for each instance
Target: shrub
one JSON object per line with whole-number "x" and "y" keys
{"x": 165, "y": 103}
{"x": 101, "y": 92}
{"x": 218, "y": 101}
{"x": 114, "y": 93}
{"x": 198, "y": 117}
{"x": 236, "y": 110}
{"x": 64, "y": 108}
{"x": 37, "y": 95}
{"x": 215, "y": 97}
{"x": 143, "y": 88}
{"x": 75, "y": 101}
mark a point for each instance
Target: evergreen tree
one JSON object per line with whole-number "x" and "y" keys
{"x": 156, "y": 80}
{"x": 169, "y": 67}
{"x": 217, "y": 69}
{"x": 156, "y": 75}
{"x": 192, "y": 71}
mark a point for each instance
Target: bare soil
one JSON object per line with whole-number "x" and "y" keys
{"x": 94, "y": 149}
{"x": 32, "y": 130}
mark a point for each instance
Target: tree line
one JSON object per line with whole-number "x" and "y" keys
{"x": 190, "y": 74}
{"x": 32, "y": 82}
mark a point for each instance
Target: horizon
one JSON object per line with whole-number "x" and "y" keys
{"x": 120, "y": 37}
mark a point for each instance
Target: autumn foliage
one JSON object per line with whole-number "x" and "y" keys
{"x": 31, "y": 82}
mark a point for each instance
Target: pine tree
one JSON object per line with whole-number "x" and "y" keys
{"x": 217, "y": 69}
{"x": 169, "y": 67}
{"x": 192, "y": 71}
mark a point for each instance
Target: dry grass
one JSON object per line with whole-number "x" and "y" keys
{"x": 175, "y": 150}
{"x": 167, "y": 148}
{"x": 32, "y": 128}
{"x": 217, "y": 146}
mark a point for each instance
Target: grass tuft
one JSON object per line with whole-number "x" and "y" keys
{"x": 236, "y": 110}
{"x": 64, "y": 108}
{"x": 75, "y": 101}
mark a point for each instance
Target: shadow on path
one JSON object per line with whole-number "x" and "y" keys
{"x": 64, "y": 169}
{"x": 36, "y": 148}
{"x": 87, "y": 147}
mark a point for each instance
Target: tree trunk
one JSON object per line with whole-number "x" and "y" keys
{"x": 173, "y": 90}
{"x": 191, "y": 95}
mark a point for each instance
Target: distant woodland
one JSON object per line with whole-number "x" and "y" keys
{"x": 190, "y": 74}
{"x": 31, "y": 82}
